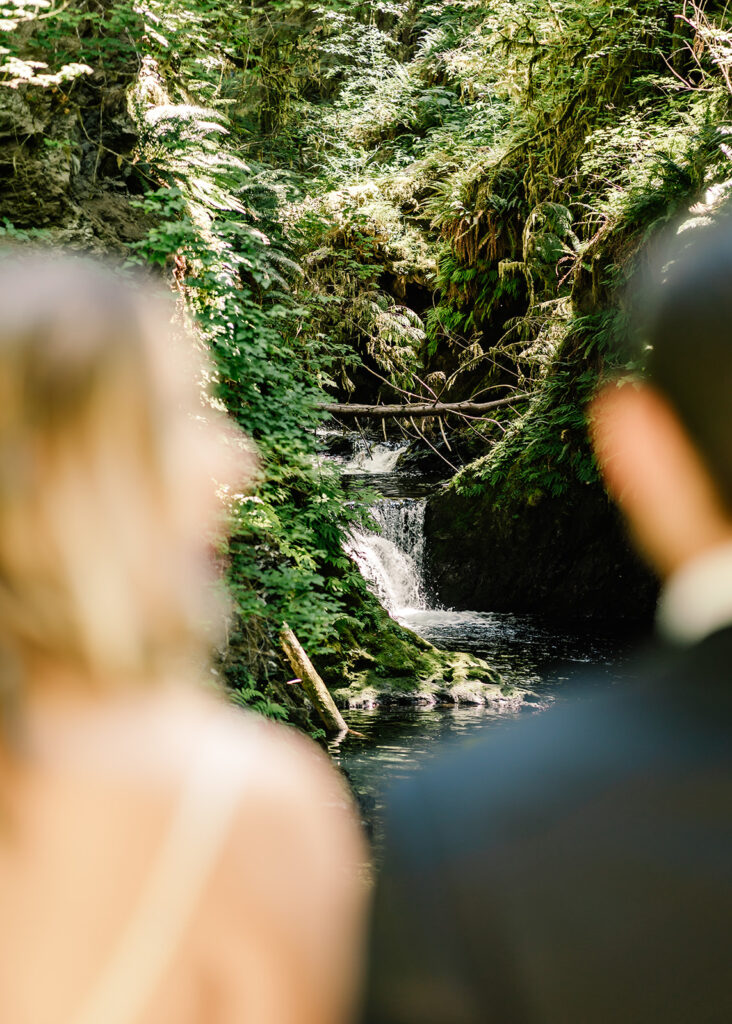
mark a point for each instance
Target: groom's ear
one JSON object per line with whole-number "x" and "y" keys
{"x": 624, "y": 430}
{"x": 656, "y": 475}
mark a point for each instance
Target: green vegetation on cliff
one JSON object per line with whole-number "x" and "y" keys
{"x": 478, "y": 195}
{"x": 382, "y": 200}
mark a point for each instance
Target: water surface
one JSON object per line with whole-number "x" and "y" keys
{"x": 544, "y": 662}
{"x": 538, "y": 658}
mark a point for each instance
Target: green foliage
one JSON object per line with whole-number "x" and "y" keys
{"x": 511, "y": 159}
{"x": 286, "y": 560}
{"x": 351, "y": 241}
{"x": 71, "y": 39}
{"x": 399, "y": 195}
{"x": 245, "y": 691}
{"x": 216, "y": 220}
{"x": 10, "y": 233}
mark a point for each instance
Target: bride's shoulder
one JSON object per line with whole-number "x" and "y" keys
{"x": 174, "y": 734}
{"x": 240, "y": 747}
{"x": 290, "y": 818}
{"x": 290, "y": 805}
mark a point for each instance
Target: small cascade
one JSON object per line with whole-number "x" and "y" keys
{"x": 376, "y": 458}
{"x": 392, "y": 560}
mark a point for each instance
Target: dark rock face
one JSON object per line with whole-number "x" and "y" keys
{"x": 67, "y": 162}
{"x": 568, "y": 557}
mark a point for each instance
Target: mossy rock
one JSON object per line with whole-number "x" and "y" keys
{"x": 387, "y": 664}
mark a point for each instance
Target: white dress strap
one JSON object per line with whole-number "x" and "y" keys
{"x": 179, "y": 874}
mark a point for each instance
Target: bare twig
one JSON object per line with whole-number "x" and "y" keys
{"x": 428, "y": 442}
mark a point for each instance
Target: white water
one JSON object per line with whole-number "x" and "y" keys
{"x": 375, "y": 458}
{"x": 392, "y": 560}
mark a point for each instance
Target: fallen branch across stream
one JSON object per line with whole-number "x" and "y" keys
{"x": 420, "y": 411}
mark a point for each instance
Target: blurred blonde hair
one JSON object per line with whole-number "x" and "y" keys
{"x": 107, "y": 452}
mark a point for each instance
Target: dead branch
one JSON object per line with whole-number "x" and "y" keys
{"x": 313, "y": 685}
{"x": 418, "y": 410}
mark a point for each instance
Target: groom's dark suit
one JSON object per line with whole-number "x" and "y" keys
{"x": 575, "y": 868}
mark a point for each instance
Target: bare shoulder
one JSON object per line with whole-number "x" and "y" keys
{"x": 249, "y": 747}
{"x": 287, "y": 903}
{"x": 295, "y": 824}
{"x": 163, "y": 737}
{"x": 269, "y": 765}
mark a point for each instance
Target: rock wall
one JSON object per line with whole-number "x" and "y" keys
{"x": 67, "y": 165}
{"x": 508, "y": 551}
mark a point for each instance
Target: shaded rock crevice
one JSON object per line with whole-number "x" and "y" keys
{"x": 506, "y": 550}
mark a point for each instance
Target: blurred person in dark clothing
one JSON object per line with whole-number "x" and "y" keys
{"x": 577, "y": 867}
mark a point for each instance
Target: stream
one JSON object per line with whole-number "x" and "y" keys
{"x": 536, "y": 656}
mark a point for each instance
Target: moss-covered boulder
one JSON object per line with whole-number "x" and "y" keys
{"x": 392, "y": 665}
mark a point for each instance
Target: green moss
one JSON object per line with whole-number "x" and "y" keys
{"x": 389, "y": 664}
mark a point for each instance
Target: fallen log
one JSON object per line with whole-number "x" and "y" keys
{"x": 420, "y": 411}
{"x": 313, "y": 685}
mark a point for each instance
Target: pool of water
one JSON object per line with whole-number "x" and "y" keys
{"x": 533, "y": 655}
{"x": 537, "y": 657}
{"x": 526, "y": 650}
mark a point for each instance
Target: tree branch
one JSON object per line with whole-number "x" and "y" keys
{"x": 414, "y": 409}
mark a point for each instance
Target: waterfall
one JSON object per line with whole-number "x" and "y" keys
{"x": 374, "y": 458}
{"x": 392, "y": 560}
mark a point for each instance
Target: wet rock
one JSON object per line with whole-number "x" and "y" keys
{"x": 403, "y": 670}
{"x": 505, "y": 549}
